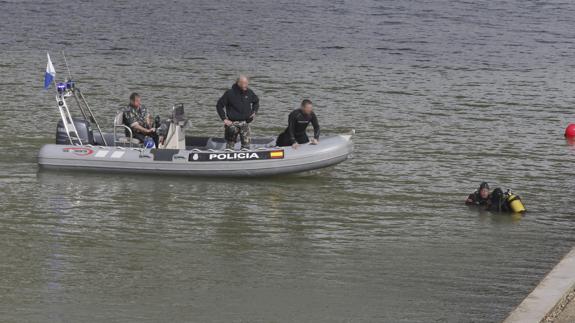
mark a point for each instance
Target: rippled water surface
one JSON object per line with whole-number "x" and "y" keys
{"x": 443, "y": 95}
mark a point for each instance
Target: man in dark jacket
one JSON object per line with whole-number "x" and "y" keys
{"x": 295, "y": 133}
{"x": 237, "y": 108}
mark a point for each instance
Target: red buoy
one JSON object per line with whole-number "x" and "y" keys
{"x": 570, "y": 131}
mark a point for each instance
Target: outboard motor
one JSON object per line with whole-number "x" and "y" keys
{"x": 84, "y": 132}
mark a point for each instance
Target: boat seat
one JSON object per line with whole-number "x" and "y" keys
{"x": 126, "y": 140}
{"x": 120, "y": 130}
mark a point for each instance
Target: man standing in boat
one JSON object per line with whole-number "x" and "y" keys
{"x": 136, "y": 117}
{"x": 237, "y": 108}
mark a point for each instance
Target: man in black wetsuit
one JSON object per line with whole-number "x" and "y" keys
{"x": 481, "y": 197}
{"x": 237, "y": 108}
{"x": 295, "y": 133}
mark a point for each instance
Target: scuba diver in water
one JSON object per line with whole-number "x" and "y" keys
{"x": 481, "y": 197}
{"x": 295, "y": 133}
{"x": 496, "y": 201}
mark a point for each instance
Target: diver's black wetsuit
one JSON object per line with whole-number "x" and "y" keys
{"x": 296, "y": 129}
{"x": 477, "y": 200}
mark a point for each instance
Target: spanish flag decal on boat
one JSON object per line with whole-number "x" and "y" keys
{"x": 277, "y": 154}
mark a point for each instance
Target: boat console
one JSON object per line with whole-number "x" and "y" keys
{"x": 175, "y": 137}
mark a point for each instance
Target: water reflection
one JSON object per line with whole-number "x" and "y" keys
{"x": 501, "y": 217}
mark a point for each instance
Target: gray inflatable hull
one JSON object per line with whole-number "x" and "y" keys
{"x": 197, "y": 162}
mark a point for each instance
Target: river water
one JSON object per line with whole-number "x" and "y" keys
{"x": 443, "y": 95}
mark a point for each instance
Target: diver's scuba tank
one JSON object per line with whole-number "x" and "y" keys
{"x": 514, "y": 202}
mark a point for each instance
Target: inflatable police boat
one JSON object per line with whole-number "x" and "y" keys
{"x": 81, "y": 145}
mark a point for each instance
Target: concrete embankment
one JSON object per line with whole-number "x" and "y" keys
{"x": 553, "y": 299}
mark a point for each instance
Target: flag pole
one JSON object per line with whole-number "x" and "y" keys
{"x": 67, "y": 68}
